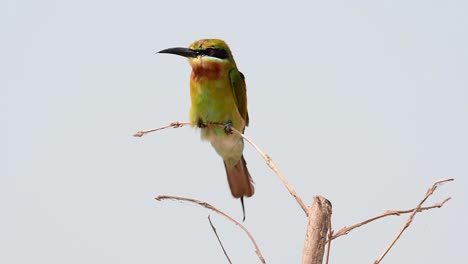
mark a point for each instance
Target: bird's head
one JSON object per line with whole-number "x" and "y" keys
{"x": 204, "y": 52}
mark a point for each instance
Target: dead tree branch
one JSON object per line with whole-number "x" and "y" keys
{"x": 211, "y": 207}
{"x": 410, "y": 219}
{"x": 317, "y": 230}
{"x": 345, "y": 230}
{"x": 330, "y": 234}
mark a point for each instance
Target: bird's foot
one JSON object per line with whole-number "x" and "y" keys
{"x": 200, "y": 124}
{"x": 228, "y": 128}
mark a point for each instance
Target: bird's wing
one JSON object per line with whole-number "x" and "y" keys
{"x": 240, "y": 93}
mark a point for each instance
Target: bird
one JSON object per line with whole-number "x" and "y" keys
{"x": 218, "y": 104}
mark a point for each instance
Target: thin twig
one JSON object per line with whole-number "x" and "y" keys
{"x": 275, "y": 169}
{"x": 330, "y": 234}
{"x": 345, "y": 230}
{"x": 211, "y": 207}
{"x": 219, "y": 240}
{"x": 265, "y": 156}
{"x": 429, "y": 192}
{"x": 173, "y": 125}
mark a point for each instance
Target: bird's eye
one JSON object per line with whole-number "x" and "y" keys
{"x": 217, "y": 53}
{"x": 210, "y": 51}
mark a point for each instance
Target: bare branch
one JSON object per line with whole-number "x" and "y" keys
{"x": 275, "y": 169}
{"x": 173, "y": 125}
{"x": 310, "y": 242}
{"x": 317, "y": 229}
{"x": 410, "y": 219}
{"x": 211, "y": 207}
{"x": 219, "y": 240}
{"x": 330, "y": 234}
{"x": 265, "y": 156}
{"x": 345, "y": 230}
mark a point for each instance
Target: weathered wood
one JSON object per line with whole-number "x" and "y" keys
{"x": 317, "y": 230}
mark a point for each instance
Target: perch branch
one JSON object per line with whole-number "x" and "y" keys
{"x": 410, "y": 219}
{"x": 265, "y": 156}
{"x": 211, "y": 207}
{"x": 173, "y": 125}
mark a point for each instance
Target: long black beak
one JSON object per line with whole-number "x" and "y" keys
{"x": 189, "y": 53}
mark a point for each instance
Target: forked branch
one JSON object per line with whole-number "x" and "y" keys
{"x": 345, "y": 230}
{"x": 410, "y": 219}
{"x": 326, "y": 221}
{"x": 212, "y": 208}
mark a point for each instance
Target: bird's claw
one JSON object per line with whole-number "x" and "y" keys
{"x": 228, "y": 128}
{"x": 200, "y": 124}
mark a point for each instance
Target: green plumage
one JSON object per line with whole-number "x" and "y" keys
{"x": 218, "y": 94}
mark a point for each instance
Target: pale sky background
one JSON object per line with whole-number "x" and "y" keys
{"x": 363, "y": 102}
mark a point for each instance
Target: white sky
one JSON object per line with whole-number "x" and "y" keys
{"x": 363, "y": 102}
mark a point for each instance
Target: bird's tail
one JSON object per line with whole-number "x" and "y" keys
{"x": 239, "y": 179}
{"x": 240, "y": 182}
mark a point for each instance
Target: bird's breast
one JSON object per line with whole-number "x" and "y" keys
{"x": 206, "y": 70}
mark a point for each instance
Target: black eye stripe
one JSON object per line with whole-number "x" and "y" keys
{"x": 217, "y": 53}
